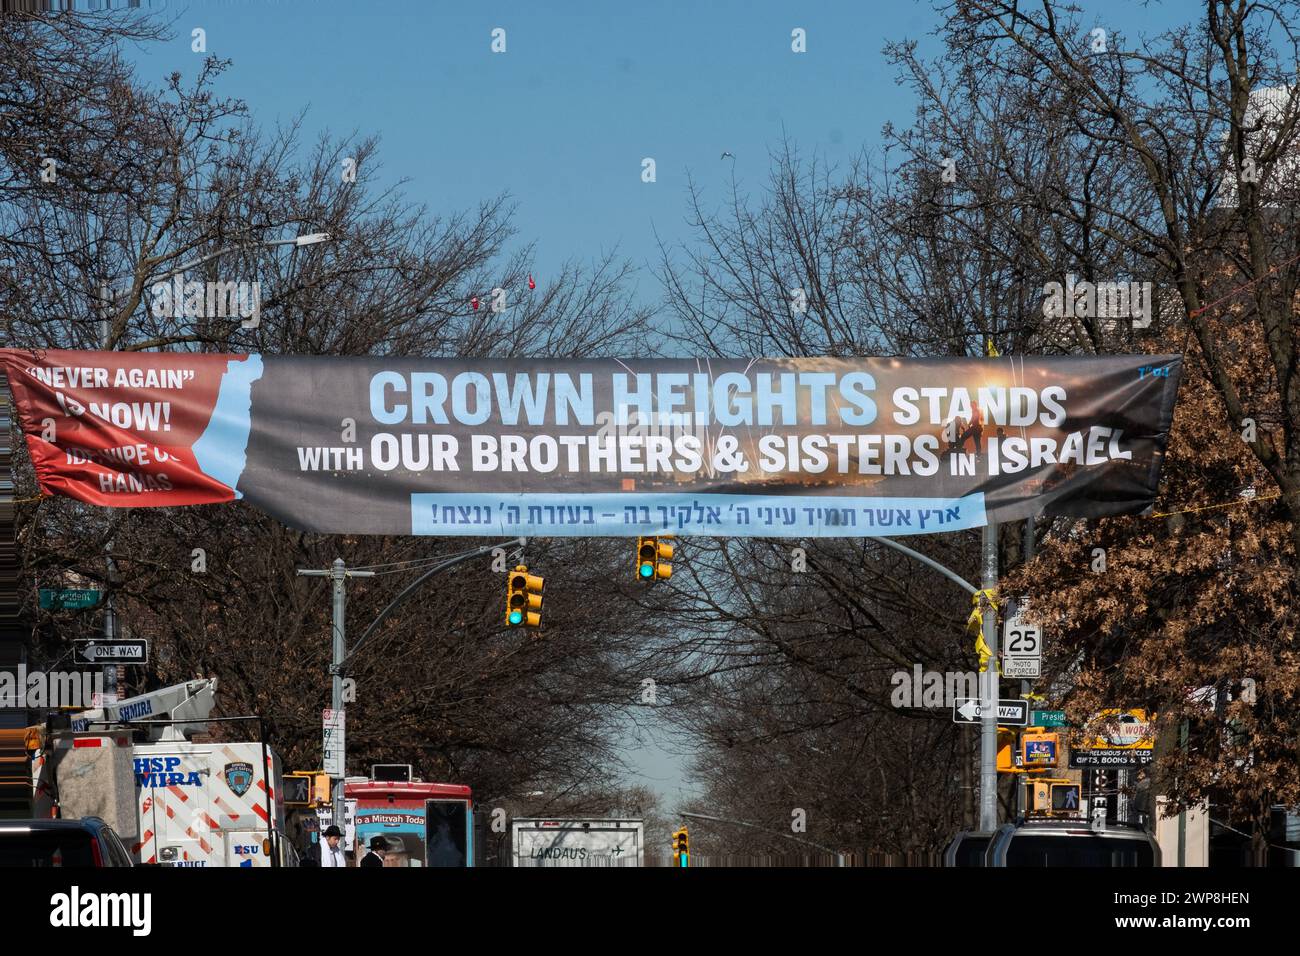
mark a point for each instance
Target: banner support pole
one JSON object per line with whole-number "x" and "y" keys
{"x": 989, "y": 691}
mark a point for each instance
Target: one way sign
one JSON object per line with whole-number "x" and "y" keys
{"x": 967, "y": 710}
{"x": 112, "y": 652}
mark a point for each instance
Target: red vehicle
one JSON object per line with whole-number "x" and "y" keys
{"x": 426, "y": 824}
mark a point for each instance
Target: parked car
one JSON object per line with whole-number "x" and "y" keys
{"x": 967, "y": 849}
{"x": 85, "y": 842}
{"x": 1071, "y": 843}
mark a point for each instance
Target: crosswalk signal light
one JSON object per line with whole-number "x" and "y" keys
{"x": 652, "y": 556}
{"x": 523, "y": 598}
{"x": 295, "y": 789}
{"x": 1065, "y": 798}
{"x": 681, "y": 848}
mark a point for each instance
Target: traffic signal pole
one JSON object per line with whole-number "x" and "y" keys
{"x": 1026, "y": 686}
{"x": 989, "y": 691}
{"x": 338, "y": 574}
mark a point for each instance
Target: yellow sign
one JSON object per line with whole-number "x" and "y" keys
{"x": 1119, "y": 729}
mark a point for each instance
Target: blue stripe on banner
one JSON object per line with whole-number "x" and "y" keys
{"x": 626, "y": 513}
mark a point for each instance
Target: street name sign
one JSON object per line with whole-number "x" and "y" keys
{"x": 67, "y": 599}
{"x": 1048, "y": 718}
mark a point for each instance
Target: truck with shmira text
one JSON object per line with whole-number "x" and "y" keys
{"x": 174, "y": 800}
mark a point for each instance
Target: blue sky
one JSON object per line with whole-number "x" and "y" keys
{"x": 563, "y": 119}
{"x": 584, "y": 92}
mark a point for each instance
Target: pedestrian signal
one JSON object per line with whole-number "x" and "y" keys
{"x": 1065, "y": 798}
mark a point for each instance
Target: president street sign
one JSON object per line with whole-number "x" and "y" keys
{"x": 67, "y": 599}
{"x": 111, "y": 652}
{"x": 968, "y": 710}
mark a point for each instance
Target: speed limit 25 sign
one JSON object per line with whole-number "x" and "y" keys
{"x": 1022, "y": 648}
{"x": 1022, "y": 640}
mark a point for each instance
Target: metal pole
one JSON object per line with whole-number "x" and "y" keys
{"x": 928, "y": 562}
{"x": 108, "y": 674}
{"x": 1182, "y": 816}
{"x": 989, "y": 692}
{"x": 416, "y": 584}
{"x": 338, "y": 573}
{"x": 1027, "y": 555}
{"x": 339, "y": 576}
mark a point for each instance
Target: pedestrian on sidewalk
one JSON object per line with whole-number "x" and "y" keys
{"x": 331, "y": 854}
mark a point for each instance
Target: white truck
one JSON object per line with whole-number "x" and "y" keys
{"x": 173, "y": 801}
{"x": 582, "y": 842}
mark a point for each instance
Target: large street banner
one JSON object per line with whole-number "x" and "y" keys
{"x": 768, "y": 447}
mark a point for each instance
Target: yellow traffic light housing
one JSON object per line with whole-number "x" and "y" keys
{"x": 1053, "y": 797}
{"x": 1006, "y": 744}
{"x": 523, "y": 598}
{"x": 653, "y": 554}
{"x": 681, "y": 847}
{"x": 314, "y": 791}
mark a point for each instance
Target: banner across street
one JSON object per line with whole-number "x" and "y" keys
{"x": 770, "y": 447}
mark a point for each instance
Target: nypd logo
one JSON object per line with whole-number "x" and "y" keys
{"x": 239, "y": 777}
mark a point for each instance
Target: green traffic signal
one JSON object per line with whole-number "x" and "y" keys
{"x": 516, "y": 617}
{"x": 647, "y": 570}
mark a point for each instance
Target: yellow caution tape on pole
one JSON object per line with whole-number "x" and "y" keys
{"x": 975, "y": 625}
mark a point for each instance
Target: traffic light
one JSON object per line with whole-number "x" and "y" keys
{"x": 652, "y": 557}
{"x": 681, "y": 848}
{"x": 320, "y": 789}
{"x": 523, "y": 598}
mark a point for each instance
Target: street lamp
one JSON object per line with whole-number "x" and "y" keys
{"x": 310, "y": 239}
{"x": 109, "y": 296}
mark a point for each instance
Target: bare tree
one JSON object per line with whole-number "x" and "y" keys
{"x": 163, "y": 178}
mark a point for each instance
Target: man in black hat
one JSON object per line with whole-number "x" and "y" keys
{"x": 331, "y": 854}
{"x": 378, "y": 849}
